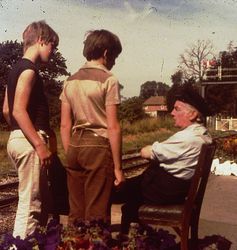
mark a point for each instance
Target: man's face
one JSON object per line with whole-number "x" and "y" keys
{"x": 181, "y": 115}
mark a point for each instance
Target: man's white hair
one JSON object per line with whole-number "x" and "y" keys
{"x": 199, "y": 118}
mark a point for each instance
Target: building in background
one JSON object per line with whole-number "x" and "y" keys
{"x": 155, "y": 106}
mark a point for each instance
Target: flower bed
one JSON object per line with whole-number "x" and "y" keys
{"x": 96, "y": 235}
{"x": 90, "y": 235}
{"x": 226, "y": 147}
{"x": 225, "y": 162}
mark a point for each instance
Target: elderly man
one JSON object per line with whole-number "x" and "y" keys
{"x": 173, "y": 161}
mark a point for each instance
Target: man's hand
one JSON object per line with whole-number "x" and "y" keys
{"x": 146, "y": 152}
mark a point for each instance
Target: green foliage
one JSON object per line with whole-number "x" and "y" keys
{"x": 131, "y": 110}
{"x": 10, "y": 53}
{"x": 145, "y": 132}
{"x": 228, "y": 58}
{"x": 147, "y": 125}
{"x": 222, "y": 98}
{"x": 177, "y": 78}
{"x": 53, "y": 91}
{"x": 135, "y": 136}
{"x": 132, "y": 144}
{"x": 153, "y": 88}
{"x": 6, "y": 165}
{"x": 54, "y": 68}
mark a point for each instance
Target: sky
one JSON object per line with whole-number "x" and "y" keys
{"x": 153, "y": 33}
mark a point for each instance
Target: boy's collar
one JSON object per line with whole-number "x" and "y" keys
{"x": 95, "y": 65}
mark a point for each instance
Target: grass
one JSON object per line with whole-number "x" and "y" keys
{"x": 148, "y": 125}
{"x": 133, "y": 143}
{"x": 5, "y": 164}
{"x": 135, "y": 136}
{"x": 145, "y": 132}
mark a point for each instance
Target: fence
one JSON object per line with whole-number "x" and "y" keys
{"x": 226, "y": 124}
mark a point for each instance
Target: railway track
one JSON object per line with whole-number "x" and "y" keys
{"x": 8, "y": 193}
{"x": 133, "y": 165}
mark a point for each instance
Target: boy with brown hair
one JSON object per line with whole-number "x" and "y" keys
{"x": 26, "y": 110}
{"x": 90, "y": 129}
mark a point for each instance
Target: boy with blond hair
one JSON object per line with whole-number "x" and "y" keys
{"x": 26, "y": 110}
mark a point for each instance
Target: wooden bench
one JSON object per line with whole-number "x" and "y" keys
{"x": 185, "y": 216}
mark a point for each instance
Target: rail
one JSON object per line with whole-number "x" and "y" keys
{"x": 132, "y": 164}
{"x": 8, "y": 194}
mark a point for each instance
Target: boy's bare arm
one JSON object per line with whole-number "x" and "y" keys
{"x": 22, "y": 95}
{"x": 5, "y": 109}
{"x": 115, "y": 138}
{"x": 66, "y": 124}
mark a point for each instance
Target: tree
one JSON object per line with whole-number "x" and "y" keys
{"x": 178, "y": 82}
{"x": 132, "y": 109}
{"x": 153, "y": 88}
{"x": 192, "y": 58}
{"x": 10, "y": 52}
{"x": 222, "y": 98}
{"x": 228, "y": 58}
{"x": 177, "y": 78}
{"x": 230, "y": 47}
